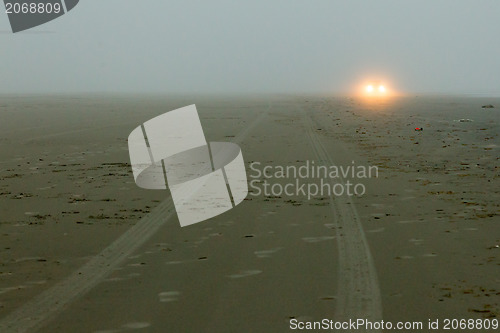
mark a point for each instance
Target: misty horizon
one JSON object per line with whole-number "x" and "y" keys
{"x": 221, "y": 47}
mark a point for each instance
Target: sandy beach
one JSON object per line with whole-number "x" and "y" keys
{"x": 83, "y": 249}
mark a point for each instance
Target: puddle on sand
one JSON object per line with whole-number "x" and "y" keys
{"x": 266, "y": 253}
{"x": 245, "y": 273}
{"x": 137, "y": 325}
{"x": 317, "y": 239}
{"x": 168, "y": 296}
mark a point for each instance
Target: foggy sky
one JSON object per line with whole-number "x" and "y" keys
{"x": 164, "y": 46}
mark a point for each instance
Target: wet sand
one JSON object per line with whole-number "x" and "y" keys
{"x": 421, "y": 243}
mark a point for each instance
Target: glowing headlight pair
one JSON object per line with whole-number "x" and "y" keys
{"x": 370, "y": 88}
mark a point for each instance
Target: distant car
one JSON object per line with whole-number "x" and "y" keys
{"x": 375, "y": 87}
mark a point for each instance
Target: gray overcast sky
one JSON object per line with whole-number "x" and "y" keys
{"x": 256, "y": 46}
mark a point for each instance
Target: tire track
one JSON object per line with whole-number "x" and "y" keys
{"x": 358, "y": 290}
{"x": 45, "y": 306}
